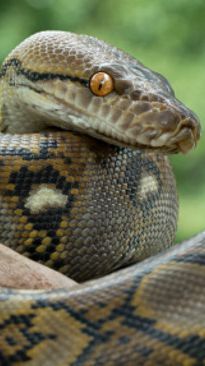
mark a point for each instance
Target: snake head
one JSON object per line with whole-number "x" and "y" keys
{"x": 77, "y": 82}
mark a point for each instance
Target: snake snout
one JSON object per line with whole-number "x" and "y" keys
{"x": 159, "y": 125}
{"x": 164, "y": 123}
{"x": 185, "y": 134}
{"x": 151, "y": 116}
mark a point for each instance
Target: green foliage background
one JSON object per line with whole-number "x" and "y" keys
{"x": 167, "y": 36}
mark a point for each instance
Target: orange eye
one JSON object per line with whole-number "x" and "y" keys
{"x": 101, "y": 84}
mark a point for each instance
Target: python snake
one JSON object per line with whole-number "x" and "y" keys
{"x": 86, "y": 188}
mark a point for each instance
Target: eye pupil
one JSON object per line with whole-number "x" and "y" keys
{"x": 101, "y": 84}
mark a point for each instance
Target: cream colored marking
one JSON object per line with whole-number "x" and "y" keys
{"x": 148, "y": 184}
{"x": 44, "y": 198}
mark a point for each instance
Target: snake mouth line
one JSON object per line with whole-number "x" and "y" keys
{"x": 180, "y": 135}
{"x": 176, "y": 144}
{"x": 155, "y": 126}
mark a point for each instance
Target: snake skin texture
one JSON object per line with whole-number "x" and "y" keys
{"x": 149, "y": 314}
{"x": 112, "y": 203}
{"x": 87, "y": 189}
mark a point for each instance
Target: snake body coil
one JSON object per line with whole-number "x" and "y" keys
{"x": 88, "y": 205}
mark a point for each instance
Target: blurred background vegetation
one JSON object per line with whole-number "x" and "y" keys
{"x": 167, "y": 36}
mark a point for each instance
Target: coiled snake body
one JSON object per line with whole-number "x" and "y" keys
{"x": 92, "y": 201}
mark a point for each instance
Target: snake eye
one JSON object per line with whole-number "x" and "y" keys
{"x": 101, "y": 84}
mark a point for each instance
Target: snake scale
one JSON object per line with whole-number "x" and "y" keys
{"x": 86, "y": 188}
